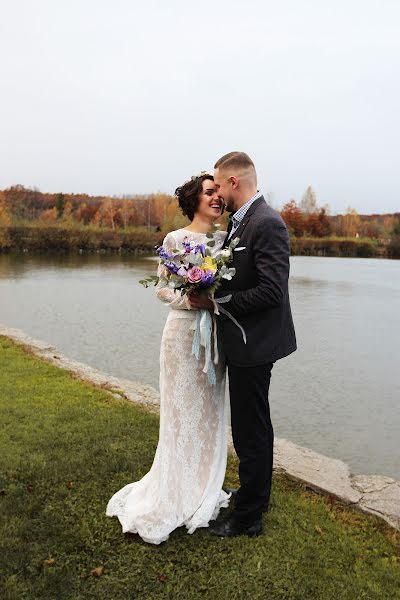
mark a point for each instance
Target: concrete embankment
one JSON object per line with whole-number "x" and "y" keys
{"x": 374, "y": 494}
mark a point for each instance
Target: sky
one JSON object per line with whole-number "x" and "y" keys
{"x": 113, "y": 97}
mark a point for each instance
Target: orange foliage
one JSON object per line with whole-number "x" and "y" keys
{"x": 5, "y": 219}
{"x": 161, "y": 212}
{"x": 293, "y": 218}
{"x": 49, "y": 215}
{"x": 317, "y": 224}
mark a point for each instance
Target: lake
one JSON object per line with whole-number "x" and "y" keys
{"x": 338, "y": 394}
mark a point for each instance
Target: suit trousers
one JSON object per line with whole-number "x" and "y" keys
{"x": 253, "y": 438}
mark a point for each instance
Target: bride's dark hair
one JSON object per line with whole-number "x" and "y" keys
{"x": 188, "y": 194}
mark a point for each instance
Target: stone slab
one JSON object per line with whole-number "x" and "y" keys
{"x": 379, "y": 496}
{"x": 324, "y": 474}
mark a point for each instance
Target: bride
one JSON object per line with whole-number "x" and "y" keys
{"x": 184, "y": 484}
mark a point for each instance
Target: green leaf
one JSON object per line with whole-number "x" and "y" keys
{"x": 211, "y": 243}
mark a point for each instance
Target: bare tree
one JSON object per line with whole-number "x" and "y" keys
{"x": 271, "y": 199}
{"x": 308, "y": 202}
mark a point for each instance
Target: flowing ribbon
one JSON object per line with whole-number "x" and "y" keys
{"x": 202, "y": 337}
{"x": 227, "y": 313}
{"x": 205, "y": 328}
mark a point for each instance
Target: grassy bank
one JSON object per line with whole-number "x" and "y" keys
{"x": 29, "y": 237}
{"x": 342, "y": 247}
{"x": 67, "y": 446}
{"x": 41, "y": 237}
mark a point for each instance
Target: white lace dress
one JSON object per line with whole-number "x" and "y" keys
{"x": 184, "y": 484}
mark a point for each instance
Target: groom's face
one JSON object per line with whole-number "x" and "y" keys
{"x": 224, "y": 188}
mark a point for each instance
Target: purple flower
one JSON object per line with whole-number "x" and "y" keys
{"x": 163, "y": 253}
{"x": 207, "y": 278}
{"x": 187, "y": 245}
{"x": 200, "y": 248}
{"x": 182, "y": 272}
{"x": 171, "y": 266}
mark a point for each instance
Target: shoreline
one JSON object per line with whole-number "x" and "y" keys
{"x": 374, "y": 494}
{"x": 146, "y": 251}
{"x": 64, "y": 239}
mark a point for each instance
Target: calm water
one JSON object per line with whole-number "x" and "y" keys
{"x": 339, "y": 393}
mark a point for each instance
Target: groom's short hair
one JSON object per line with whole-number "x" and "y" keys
{"x": 235, "y": 160}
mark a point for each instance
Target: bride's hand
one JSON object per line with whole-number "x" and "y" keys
{"x": 200, "y": 301}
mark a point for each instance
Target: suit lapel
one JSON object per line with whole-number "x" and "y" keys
{"x": 226, "y": 240}
{"x": 239, "y": 231}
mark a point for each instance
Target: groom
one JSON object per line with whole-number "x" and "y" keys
{"x": 260, "y": 303}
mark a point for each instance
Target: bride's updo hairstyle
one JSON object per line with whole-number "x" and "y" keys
{"x": 188, "y": 194}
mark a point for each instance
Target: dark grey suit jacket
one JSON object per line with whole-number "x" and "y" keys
{"x": 260, "y": 296}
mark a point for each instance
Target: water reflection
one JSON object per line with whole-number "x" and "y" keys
{"x": 15, "y": 266}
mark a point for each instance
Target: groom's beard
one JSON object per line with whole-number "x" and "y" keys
{"x": 229, "y": 206}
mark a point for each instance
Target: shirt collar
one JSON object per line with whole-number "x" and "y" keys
{"x": 240, "y": 213}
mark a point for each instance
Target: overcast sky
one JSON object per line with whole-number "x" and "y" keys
{"x": 120, "y": 96}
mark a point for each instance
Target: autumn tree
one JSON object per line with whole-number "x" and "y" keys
{"x": 396, "y": 228}
{"x": 67, "y": 213}
{"x": 126, "y": 212}
{"x": 161, "y": 203}
{"x": 351, "y": 222}
{"x": 5, "y": 219}
{"x": 60, "y": 205}
{"x": 293, "y": 218}
{"x": 317, "y": 224}
{"x": 372, "y": 228}
{"x": 85, "y": 213}
{"x": 106, "y": 213}
{"x": 389, "y": 223}
{"x": 143, "y": 210}
{"x": 49, "y": 215}
{"x": 18, "y": 199}
{"x": 394, "y": 245}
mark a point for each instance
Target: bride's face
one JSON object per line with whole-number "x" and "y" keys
{"x": 210, "y": 204}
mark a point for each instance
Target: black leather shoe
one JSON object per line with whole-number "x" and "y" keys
{"x": 232, "y": 528}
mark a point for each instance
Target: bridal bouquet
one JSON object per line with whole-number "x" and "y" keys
{"x": 194, "y": 268}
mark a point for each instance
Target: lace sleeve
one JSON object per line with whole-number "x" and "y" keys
{"x": 173, "y": 298}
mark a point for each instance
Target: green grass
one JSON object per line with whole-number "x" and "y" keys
{"x": 71, "y": 237}
{"x": 75, "y": 225}
{"x": 336, "y": 246}
{"x": 67, "y": 446}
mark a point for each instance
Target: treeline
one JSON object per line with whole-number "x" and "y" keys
{"x": 314, "y": 232}
{"x": 19, "y": 204}
{"x": 351, "y": 234}
{"x": 309, "y": 220}
{"x": 34, "y": 221}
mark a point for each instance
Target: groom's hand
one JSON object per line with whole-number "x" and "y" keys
{"x": 198, "y": 302}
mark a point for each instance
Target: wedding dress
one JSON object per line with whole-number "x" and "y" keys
{"x": 184, "y": 484}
